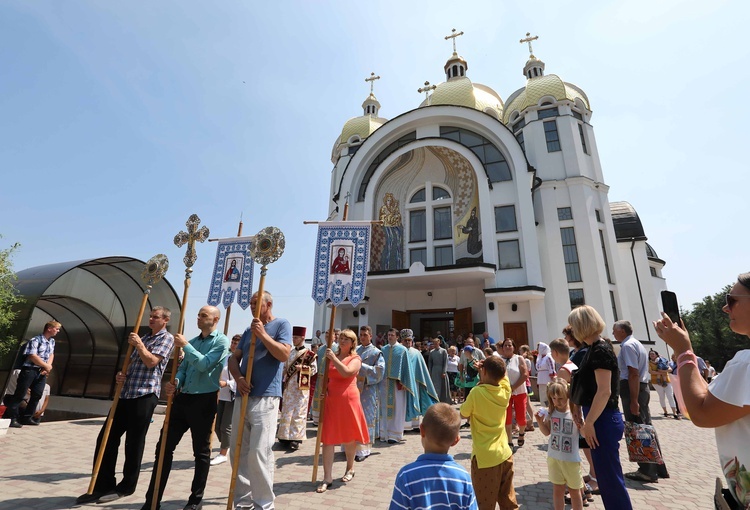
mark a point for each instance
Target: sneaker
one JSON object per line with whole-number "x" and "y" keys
{"x": 15, "y": 424}
{"x": 219, "y": 459}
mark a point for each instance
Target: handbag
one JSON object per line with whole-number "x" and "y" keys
{"x": 642, "y": 443}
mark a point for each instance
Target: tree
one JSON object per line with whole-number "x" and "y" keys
{"x": 709, "y": 330}
{"x": 8, "y": 298}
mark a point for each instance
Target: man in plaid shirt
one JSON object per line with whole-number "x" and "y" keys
{"x": 138, "y": 399}
{"x": 39, "y": 353}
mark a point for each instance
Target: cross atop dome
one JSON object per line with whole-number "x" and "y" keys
{"x": 528, "y": 39}
{"x": 371, "y": 105}
{"x": 453, "y": 36}
{"x": 456, "y": 66}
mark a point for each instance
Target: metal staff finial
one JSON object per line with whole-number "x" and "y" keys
{"x": 192, "y": 235}
{"x": 268, "y": 247}
{"x": 154, "y": 270}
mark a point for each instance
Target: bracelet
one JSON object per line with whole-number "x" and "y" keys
{"x": 241, "y": 377}
{"x": 687, "y": 354}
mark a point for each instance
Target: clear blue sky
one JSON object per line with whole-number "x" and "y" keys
{"x": 120, "y": 119}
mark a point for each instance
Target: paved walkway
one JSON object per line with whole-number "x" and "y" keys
{"x": 47, "y": 467}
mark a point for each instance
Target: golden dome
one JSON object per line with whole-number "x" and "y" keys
{"x": 362, "y": 126}
{"x": 462, "y": 92}
{"x": 539, "y": 87}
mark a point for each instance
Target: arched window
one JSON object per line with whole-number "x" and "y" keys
{"x": 430, "y": 227}
{"x": 495, "y": 165}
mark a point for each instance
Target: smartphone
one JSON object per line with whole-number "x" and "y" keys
{"x": 670, "y": 307}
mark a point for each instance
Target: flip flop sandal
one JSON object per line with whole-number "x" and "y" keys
{"x": 348, "y": 476}
{"x": 521, "y": 439}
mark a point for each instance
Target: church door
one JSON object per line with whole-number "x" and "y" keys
{"x": 462, "y": 321}
{"x": 517, "y": 331}
{"x": 399, "y": 319}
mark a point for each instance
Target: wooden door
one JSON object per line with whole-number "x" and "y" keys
{"x": 399, "y": 319}
{"x": 462, "y": 323}
{"x": 517, "y": 331}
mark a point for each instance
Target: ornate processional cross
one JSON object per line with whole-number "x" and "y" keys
{"x": 372, "y": 79}
{"x": 453, "y": 36}
{"x": 528, "y": 39}
{"x": 192, "y": 235}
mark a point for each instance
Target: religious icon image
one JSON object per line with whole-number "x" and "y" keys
{"x": 555, "y": 424}
{"x": 390, "y": 215}
{"x": 233, "y": 273}
{"x": 340, "y": 264}
{"x": 474, "y": 243}
{"x": 555, "y": 443}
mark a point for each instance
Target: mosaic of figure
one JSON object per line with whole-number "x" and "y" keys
{"x": 391, "y": 218}
{"x": 474, "y": 243}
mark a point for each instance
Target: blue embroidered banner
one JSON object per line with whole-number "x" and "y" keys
{"x": 233, "y": 273}
{"x": 342, "y": 258}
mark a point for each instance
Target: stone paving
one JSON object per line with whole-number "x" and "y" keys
{"x": 47, "y": 467}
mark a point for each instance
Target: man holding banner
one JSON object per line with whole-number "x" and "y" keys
{"x": 194, "y": 406}
{"x": 273, "y": 343}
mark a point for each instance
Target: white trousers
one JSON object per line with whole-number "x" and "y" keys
{"x": 393, "y": 428}
{"x": 254, "y": 487}
{"x": 666, "y": 393}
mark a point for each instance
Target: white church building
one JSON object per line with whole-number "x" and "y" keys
{"x": 495, "y": 214}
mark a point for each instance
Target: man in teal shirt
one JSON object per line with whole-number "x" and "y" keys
{"x": 194, "y": 406}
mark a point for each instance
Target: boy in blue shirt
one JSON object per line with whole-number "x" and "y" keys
{"x": 435, "y": 479}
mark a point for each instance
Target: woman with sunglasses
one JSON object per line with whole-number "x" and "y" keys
{"x": 724, "y": 404}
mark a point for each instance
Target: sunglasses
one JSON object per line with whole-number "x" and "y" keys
{"x": 732, "y": 299}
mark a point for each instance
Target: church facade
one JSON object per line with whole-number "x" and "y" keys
{"x": 494, "y": 214}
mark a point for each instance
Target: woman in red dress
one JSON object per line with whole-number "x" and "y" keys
{"x": 344, "y": 420}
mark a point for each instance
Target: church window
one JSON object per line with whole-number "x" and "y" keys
{"x": 614, "y": 306}
{"x": 550, "y": 134}
{"x": 598, "y": 215}
{"x": 564, "y": 213}
{"x": 495, "y": 165}
{"x": 505, "y": 218}
{"x": 418, "y": 197}
{"x": 520, "y": 124}
{"x": 455, "y": 71}
{"x": 653, "y": 271}
{"x": 583, "y": 139}
{"x": 443, "y": 256}
{"x": 431, "y": 226}
{"x": 442, "y": 223}
{"x": 508, "y": 254}
{"x": 353, "y": 149}
{"x": 417, "y": 226}
{"x": 576, "y": 298}
{"x": 570, "y": 254}
{"x": 548, "y": 112}
{"x": 439, "y": 193}
{"x": 606, "y": 260}
{"x": 519, "y": 139}
{"x": 418, "y": 255}
{"x": 577, "y": 115}
{"x": 404, "y": 140}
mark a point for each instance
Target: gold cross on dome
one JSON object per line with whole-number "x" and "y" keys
{"x": 372, "y": 79}
{"x": 426, "y": 89}
{"x": 192, "y": 235}
{"x": 453, "y": 36}
{"x": 528, "y": 39}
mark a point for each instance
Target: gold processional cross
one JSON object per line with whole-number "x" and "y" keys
{"x": 453, "y": 36}
{"x": 192, "y": 235}
{"x": 528, "y": 39}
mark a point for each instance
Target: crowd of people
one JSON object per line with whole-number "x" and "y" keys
{"x": 359, "y": 389}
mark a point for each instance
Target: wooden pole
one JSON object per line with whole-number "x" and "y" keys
{"x": 243, "y": 409}
{"x": 165, "y": 427}
{"x": 116, "y": 400}
{"x": 324, "y": 386}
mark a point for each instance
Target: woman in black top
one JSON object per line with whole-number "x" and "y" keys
{"x": 594, "y": 394}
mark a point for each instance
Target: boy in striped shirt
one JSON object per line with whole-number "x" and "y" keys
{"x": 435, "y": 479}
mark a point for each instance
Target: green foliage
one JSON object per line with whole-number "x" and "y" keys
{"x": 709, "y": 330}
{"x": 8, "y": 298}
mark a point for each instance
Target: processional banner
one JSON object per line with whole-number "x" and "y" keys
{"x": 233, "y": 273}
{"x": 342, "y": 258}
